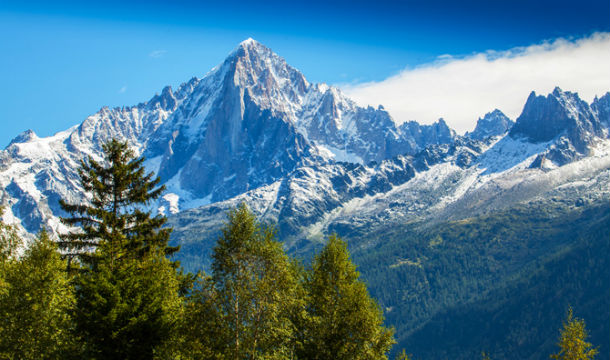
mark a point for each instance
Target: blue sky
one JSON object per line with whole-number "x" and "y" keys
{"x": 61, "y": 61}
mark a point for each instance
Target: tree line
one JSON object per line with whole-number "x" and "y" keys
{"x": 110, "y": 289}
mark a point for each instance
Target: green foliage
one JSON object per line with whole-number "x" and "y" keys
{"x": 128, "y": 311}
{"x": 344, "y": 321}
{"x": 9, "y": 242}
{"x": 128, "y": 293}
{"x": 202, "y": 334}
{"x": 258, "y": 304}
{"x": 36, "y": 304}
{"x": 462, "y": 275}
{"x": 498, "y": 282}
{"x": 572, "y": 341}
{"x": 255, "y": 289}
{"x": 403, "y": 356}
{"x": 112, "y": 220}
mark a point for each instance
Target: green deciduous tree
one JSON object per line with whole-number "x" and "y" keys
{"x": 128, "y": 292}
{"x": 345, "y": 322}
{"x": 36, "y": 305}
{"x": 202, "y": 334}
{"x": 9, "y": 241}
{"x": 572, "y": 341}
{"x": 254, "y": 288}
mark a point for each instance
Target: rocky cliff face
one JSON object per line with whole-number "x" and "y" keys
{"x": 251, "y": 121}
{"x": 255, "y": 128}
{"x": 601, "y": 108}
{"x": 494, "y": 123}
{"x": 568, "y": 123}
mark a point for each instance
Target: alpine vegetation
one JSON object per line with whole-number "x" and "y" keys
{"x": 207, "y": 222}
{"x": 111, "y": 291}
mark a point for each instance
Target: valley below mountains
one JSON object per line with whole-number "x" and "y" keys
{"x": 470, "y": 243}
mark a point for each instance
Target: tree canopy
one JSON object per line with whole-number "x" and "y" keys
{"x": 36, "y": 305}
{"x": 114, "y": 219}
{"x": 128, "y": 292}
{"x": 573, "y": 343}
{"x": 344, "y": 321}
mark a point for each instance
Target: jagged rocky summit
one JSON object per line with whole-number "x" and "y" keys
{"x": 303, "y": 155}
{"x": 566, "y": 120}
{"x": 250, "y": 121}
{"x": 494, "y": 123}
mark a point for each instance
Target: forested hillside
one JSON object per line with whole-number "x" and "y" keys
{"x": 499, "y": 283}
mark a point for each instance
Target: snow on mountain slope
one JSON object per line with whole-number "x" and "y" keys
{"x": 36, "y": 172}
{"x": 439, "y": 183}
{"x": 248, "y": 123}
{"x": 433, "y": 186}
{"x": 305, "y": 156}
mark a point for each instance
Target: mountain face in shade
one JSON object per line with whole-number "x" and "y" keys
{"x": 601, "y": 108}
{"x": 494, "y": 123}
{"x": 250, "y": 121}
{"x": 255, "y": 123}
{"x": 487, "y": 170}
{"x": 564, "y": 119}
{"x": 424, "y": 135}
{"x": 309, "y": 159}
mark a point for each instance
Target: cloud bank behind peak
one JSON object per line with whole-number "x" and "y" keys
{"x": 460, "y": 90}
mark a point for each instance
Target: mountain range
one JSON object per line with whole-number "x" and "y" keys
{"x": 310, "y": 160}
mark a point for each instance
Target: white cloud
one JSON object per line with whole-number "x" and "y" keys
{"x": 463, "y": 89}
{"x": 157, "y": 53}
{"x": 123, "y": 89}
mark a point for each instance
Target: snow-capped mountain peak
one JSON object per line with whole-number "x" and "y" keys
{"x": 546, "y": 117}
{"x": 494, "y": 123}
{"x": 266, "y": 75}
{"x": 561, "y": 118}
{"x": 254, "y": 121}
{"x": 25, "y": 136}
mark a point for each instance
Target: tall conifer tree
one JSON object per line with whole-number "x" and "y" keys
{"x": 128, "y": 291}
{"x": 113, "y": 219}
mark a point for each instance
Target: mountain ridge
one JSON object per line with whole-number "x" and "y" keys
{"x": 307, "y": 158}
{"x": 254, "y": 120}
{"x": 198, "y": 128}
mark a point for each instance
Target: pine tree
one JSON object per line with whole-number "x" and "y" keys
{"x": 572, "y": 341}
{"x": 129, "y": 310}
{"x": 36, "y": 308}
{"x": 128, "y": 292}
{"x": 255, "y": 290}
{"x": 113, "y": 220}
{"x": 345, "y": 322}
